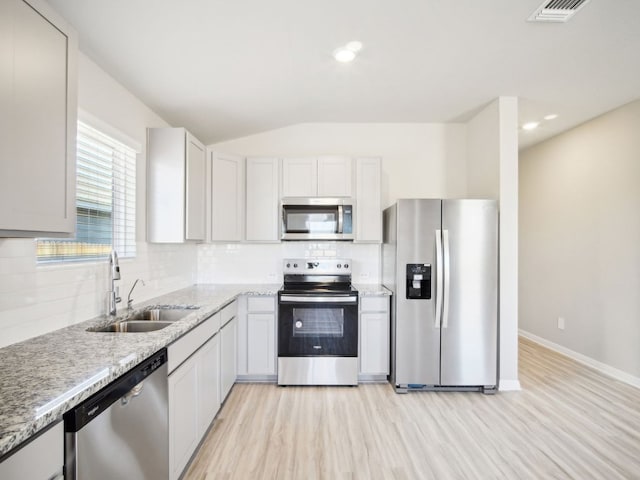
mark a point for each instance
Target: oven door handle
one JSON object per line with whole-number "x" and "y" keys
{"x": 340, "y": 219}
{"x": 317, "y": 299}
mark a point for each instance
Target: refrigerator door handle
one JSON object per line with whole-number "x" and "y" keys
{"x": 439, "y": 278}
{"x": 447, "y": 274}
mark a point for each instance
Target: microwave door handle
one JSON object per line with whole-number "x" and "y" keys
{"x": 284, "y": 220}
{"x": 340, "y": 219}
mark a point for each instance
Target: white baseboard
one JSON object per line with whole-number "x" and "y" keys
{"x": 588, "y": 361}
{"x": 509, "y": 385}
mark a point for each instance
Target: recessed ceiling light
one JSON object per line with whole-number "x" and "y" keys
{"x": 551, "y": 116}
{"x": 530, "y": 125}
{"x": 344, "y": 55}
{"x": 348, "y": 52}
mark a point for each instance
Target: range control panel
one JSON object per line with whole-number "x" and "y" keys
{"x": 317, "y": 266}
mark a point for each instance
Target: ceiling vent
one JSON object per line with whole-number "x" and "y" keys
{"x": 557, "y": 10}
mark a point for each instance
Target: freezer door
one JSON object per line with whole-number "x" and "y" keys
{"x": 417, "y": 332}
{"x": 469, "y": 333}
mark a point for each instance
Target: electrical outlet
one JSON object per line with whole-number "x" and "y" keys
{"x": 561, "y": 323}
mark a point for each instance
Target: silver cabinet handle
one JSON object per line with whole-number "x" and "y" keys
{"x": 447, "y": 276}
{"x": 439, "y": 278}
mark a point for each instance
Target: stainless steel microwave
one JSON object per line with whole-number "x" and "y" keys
{"x": 317, "y": 218}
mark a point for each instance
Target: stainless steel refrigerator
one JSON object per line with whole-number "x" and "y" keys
{"x": 440, "y": 259}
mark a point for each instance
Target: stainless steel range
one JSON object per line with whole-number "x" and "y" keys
{"x": 317, "y": 323}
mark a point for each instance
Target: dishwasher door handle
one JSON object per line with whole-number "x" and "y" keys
{"x": 133, "y": 393}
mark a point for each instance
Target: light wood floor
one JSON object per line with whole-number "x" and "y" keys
{"x": 568, "y": 422}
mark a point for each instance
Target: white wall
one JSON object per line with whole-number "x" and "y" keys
{"x": 38, "y": 299}
{"x": 492, "y": 167}
{"x": 580, "y": 239}
{"x": 483, "y": 153}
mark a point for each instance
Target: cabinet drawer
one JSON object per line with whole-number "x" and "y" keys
{"x": 186, "y": 345}
{"x": 228, "y": 312}
{"x": 374, "y": 304}
{"x": 261, "y": 304}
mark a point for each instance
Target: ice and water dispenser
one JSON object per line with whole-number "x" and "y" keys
{"x": 418, "y": 281}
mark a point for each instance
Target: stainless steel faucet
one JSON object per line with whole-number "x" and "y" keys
{"x": 114, "y": 268}
{"x": 129, "y": 299}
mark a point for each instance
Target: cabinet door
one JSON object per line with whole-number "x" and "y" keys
{"x": 368, "y": 200}
{"x": 37, "y": 121}
{"x": 334, "y": 176}
{"x": 183, "y": 418}
{"x": 208, "y": 383}
{"x": 374, "y": 343}
{"x": 299, "y": 177}
{"x": 41, "y": 459}
{"x": 261, "y": 344}
{"x": 196, "y": 186}
{"x": 263, "y": 200}
{"x": 227, "y": 194}
{"x": 166, "y": 184}
{"x": 228, "y": 342}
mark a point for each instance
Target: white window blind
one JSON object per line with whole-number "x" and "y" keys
{"x": 105, "y": 202}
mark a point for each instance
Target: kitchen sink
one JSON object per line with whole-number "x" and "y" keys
{"x": 147, "y": 320}
{"x": 161, "y": 314}
{"x": 134, "y": 326}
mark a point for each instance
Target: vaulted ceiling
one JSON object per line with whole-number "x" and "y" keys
{"x": 230, "y": 68}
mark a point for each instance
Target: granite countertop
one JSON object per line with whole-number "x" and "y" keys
{"x": 371, "y": 289}
{"x": 46, "y": 376}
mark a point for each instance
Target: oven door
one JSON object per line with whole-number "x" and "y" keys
{"x": 317, "y": 325}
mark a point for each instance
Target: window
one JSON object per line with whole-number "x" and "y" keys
{"x": 105, "y": 202}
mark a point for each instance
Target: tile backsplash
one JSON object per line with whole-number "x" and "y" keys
{"x": 253, "y": 263}
{"x": 36, "y": 299}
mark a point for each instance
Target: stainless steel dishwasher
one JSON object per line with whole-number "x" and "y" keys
{"x": 123, "y": 430}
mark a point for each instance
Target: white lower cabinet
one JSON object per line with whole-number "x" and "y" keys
{"x": 261, "y": 333}
{"x": 374, "y": 337}
{"x": 257, "y": 340}
{"x": 208, "y": 383}
{"x": 228, "y": 362}
{"x": 41, "y": 459}
{"x": 193, "y": 403}
{"x": 183, "y": 417}
{"x": 198, "y": 371}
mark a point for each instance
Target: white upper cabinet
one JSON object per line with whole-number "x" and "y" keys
{"x": 176, "y": 184}
{"x": 368, "y": 200}
{"x": 196, "y": 187}
{"x": 263, "y": 200}
{"x": 299, "y": 177}
{"x": 334, "y": 176}
{"x": 325, "y": 176}
{"x": 38, "y": 115}
{"x": 226, "y": 196}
